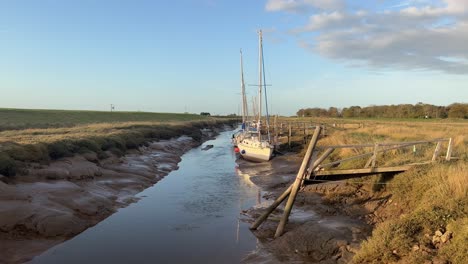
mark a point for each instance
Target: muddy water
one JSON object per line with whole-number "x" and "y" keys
{"x": 191, "y": 216}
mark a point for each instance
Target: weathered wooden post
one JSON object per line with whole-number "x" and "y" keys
{"x": 286, "y": 193}
{"x": 304, "y": 131}
{"x": 276, "y": 131}
{"x": 319, "y": 161}
{"x": 436, "y": 151}
{"x": 289, "y": 136}
{"x": 270, "y": 208}
{"x": 373, "y": 158}
{"x": 449, "y": 150}
{"x": 297, "y": 183}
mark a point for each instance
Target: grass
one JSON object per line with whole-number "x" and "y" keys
{"x": 423, "y": 201}
{"x": 76, "y": 132}
{"x": 419, "y": 201}
{"x": 29, "y": 118}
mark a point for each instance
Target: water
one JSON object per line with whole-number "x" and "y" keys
{"x": 191, "y": 216}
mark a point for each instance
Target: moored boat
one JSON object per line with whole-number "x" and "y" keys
{"x": 252, "y": 145}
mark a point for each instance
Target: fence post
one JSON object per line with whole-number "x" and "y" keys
{"x": 449, "y": 150}
{"x": 372, "y": 159}
{"x": 436, "y": 151}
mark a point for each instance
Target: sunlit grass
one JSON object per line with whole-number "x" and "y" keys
{"x": 422, "y": 200}
{"x": 94, "y": 134}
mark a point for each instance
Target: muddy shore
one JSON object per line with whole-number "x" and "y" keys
{"x": 55, "y": 202}
{"x": 319, "y": 230}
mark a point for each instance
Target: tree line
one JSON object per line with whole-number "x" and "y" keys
{"x": 419, "y": 110}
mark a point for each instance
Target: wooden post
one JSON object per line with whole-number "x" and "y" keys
{"x": 270, "y": 209}
{"x": 318, "y": 161}
{"x": 305, "y": 135}
{"x": 289, "y": 136}
{"x": 286, "y": 193}
{"x": 297, "y": 182}
{"x": 276, "y": 131}
{"x": 436, "y": 151}
{"x": 372, "y": 159}
{"x": 449, "y": 150}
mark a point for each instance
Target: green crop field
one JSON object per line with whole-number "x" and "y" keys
{"x": 28, "y": 118}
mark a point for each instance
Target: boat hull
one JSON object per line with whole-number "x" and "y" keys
{"x": 257, "y": 154}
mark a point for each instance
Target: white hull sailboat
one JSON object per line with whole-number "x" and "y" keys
{"x": 252, "y": 145}
{"x": 255, "y": 150}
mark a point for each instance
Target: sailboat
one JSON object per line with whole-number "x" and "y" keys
{"x": 254, "y": 146}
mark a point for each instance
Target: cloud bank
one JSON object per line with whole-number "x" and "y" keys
{"x": 409, "y": 35}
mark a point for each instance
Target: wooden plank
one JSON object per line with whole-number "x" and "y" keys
{"x": 364, "y": 171}
{"x": 402, "y": 144}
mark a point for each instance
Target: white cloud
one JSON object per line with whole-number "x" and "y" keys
{"x": 413, "y": 38}
{"x": 297, "y": 6}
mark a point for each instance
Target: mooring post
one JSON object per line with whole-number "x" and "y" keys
{"x": 289, "y": 136}
{"x": 286, "y": 193}
{"x": 297, "y": 183}
{"x": 270, "y": 208}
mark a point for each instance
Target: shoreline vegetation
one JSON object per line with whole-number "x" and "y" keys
{"x": 419, "y": 216}
{"x": 57, "y": 182}
{"x": 41, "y": 136}
{"x": 83, "y": 171}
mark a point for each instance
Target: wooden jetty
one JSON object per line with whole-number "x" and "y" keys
{"x": 313, "y": 170}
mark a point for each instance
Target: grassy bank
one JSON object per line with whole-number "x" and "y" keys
{"x": 31, "y": 118}
{"x": 80, "y": 132}
{"x": 423, "y": 212}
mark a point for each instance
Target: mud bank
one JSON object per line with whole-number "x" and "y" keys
{"x": 317, "y": 231}
{"x": 56, "y": 202}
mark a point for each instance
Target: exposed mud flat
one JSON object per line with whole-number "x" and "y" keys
{"x": 56, "y": 202}
{"x": 317, "y": 232}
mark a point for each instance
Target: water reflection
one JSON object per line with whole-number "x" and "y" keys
{"x": 191, "y": 216}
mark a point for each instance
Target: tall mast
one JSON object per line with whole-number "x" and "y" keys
{"x": 267, "y": 119}
{"x": 260, "y": 59}
{"x": 244, "y": 110}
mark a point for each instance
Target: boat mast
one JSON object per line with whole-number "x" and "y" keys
{"x": 242, "y": 90}
{"x": 260, "y": 59}
{"x": 244, "y": 98}
{"x": 267, "y": 119}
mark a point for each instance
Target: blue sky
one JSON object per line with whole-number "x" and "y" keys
{"x": 172, "y": 56}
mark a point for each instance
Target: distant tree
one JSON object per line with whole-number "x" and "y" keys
{"x": 300, "y": 113}
{"x": 458, "y": 110}
{"x": 333, "y": 112}
{"x": 419, "y": 110}
{"x": 205, "y": 114}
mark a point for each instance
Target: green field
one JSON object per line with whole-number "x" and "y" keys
{"x": 30, "y": 118}
{"x": 39, "y": 136}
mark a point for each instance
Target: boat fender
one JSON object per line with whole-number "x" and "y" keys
{"x": 243, "y": 151}
{"x": 236, "y": 149}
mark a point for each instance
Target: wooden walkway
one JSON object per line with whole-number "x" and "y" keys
{"x": 313, "y": 170}
{"x": 338, "y": 175}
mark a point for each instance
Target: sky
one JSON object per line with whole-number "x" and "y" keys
{"x": 183, "y": 56}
